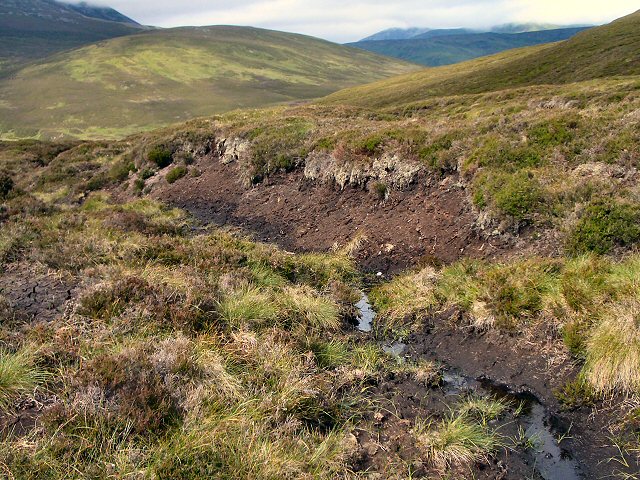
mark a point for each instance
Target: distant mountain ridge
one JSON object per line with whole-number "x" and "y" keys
{"x": 101, "y": 13}
{"x": 34, "y": 29}
{"x": 420, "y": 32}
{"x": 601, "y": 52}
{"x": 437, "y": 50}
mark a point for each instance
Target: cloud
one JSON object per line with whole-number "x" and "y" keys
{"x": 343, "y": 21}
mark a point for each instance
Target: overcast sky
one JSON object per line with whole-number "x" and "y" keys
{"x": 345, "y": 20}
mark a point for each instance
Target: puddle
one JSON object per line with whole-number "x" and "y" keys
{"x": 396, "y": 349}
{"x": 366, "y": 314}
{"x": 551, "y": 461}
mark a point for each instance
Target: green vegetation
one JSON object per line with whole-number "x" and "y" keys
{"x": 202, "y": 353}
{"x": 576, "y": 394}
{"x": 18, "y": 376}
{"x": 484, "y": 409}
{"x": 166, "y": 72}
{"x": 6, "y": 185}
{"x": 613, "y": 350}
{"x": 161, "y": 156}
{"x": 605, "y": 224}
{"x": 456, "y": 441}
{"x": 176, "y": 174}
{"x": 586, "y": 297}
{"x": 518, "y": 195}
{"x": 173, "y": 349}
{"x": 455, "y": 47}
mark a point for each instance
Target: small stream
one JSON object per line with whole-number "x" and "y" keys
{"x": 551, "y": 461}
{"x": 366, "y": 316}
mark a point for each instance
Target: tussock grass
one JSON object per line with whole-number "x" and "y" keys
{"x": 427, "y": 373}
{"x": 19, "y": 375}
{"x": 484, "y": 409}
{"x": 184, "y": 354}
{"x": 456, "y": 441}
{"x": 304, "y": 305}
{"x": 406, "y": 296}
{"x": 248, "y": 305}
{"x": 613, "y": 350}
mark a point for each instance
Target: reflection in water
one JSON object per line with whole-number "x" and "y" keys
{"x": 366, "y": 314}
{"x": 550, "y": 460}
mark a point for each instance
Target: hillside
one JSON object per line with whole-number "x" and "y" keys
{"x": 452, "y": 48}
{"x": 416, "y": 32}
{"x": 439, "y": 283}
{"x": 101, "y": 13}
{"x": 32, "y": 29}
{"x": 406, "y": 33}
{"x": 138, "y": 82}
{"x": 595, "y": 53}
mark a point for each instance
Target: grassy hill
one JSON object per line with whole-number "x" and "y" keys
{"x": 138, "y": 341}
{"x": 454, "y": 48}
{"x": 138, "y": 82}
{"x": 32, "y": 29}
{"x": 599, "y": 52}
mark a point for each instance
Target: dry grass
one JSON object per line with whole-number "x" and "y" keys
{"x": 613, "y": 350}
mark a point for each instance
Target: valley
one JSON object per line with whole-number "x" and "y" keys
{"x": 434, "y": 275}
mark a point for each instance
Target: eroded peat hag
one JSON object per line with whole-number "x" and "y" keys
{"x": 300, "y": 215}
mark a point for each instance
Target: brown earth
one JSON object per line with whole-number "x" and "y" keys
{"x": 425, "y": 222}
{"x": 35, "y": 293}
{"x": 497, "y": 364}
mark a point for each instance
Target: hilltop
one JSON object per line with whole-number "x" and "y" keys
{"x": 101, "y": 13}
{"x": 422, "y": 33}
{"x": 599, "y": 52}
{"x": 32, "y": 29}
{"x": 450, "y": 47}
{"x": 142, "y": 81}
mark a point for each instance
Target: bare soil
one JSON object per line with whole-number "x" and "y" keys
{"x": 35, "y": 292}
{"x": 426, "y": 222}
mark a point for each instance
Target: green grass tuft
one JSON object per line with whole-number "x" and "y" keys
{"x": 176, "y": 174}
{"x": 605, "y": 224}
{"x": 19, "y": 376}
{"x": 456, "y": 441}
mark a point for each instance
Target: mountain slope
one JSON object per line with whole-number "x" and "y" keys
{"x": 416, "y": 32}
{"x": 447, "y": 49}
{"x": 599, "y": 52}
{"x": 32, "y": 29}
{"x": 409, "y": 33}
{"x": 445, "y": 32}
{"x": 141, "y": 81}
{"x": 101, "y": 13}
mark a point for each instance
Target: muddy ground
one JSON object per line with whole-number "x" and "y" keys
{"x": 428, "y": 222}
